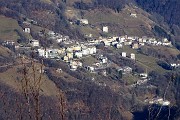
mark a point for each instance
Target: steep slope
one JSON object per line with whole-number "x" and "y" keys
{"x": 167, "y": 8}
{"x": 44, "y": 13}
{"x": 165, "y": 11}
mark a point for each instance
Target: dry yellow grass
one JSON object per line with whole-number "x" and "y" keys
{"x": 147, "y": 62}
{"x": 4, "y": 51}
{"x": 12, "y": 78}
{"x": 167, "y": 50}
{"x": 7, "y": 28}
{"x": 46, "y": 1}
{"x": 123, "y": 22}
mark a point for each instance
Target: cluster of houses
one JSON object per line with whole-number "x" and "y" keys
{"x": 175, "y": 65}
{"x": 133, "y": 41}
{"x": 132, "y": 55}
{"x": 100, "y": 65}
{"x": 72, "y": 52}
{"x": 158, "y": 101}
{"x": 58, "y": 38}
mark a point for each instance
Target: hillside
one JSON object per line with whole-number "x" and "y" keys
{"x": 8, "y": 27}
{"x": 89, "y": 60}
{"x": 165, "y": 12}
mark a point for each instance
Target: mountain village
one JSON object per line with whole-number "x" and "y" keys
{"x": 73, "y": 52}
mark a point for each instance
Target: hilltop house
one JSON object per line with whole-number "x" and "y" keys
{"x": 105, "y": 29}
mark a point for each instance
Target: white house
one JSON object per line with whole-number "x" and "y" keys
{"x": 168, "y": 43}
{"x": 92, "y": 50}
{"x": 107, "y": 43}
{"x": 140, "y": 40}
{"x": 164, "y": 40}
{"x": 133, "y": 15}
{"x": 143, "y": 75}
{"x": 121, "y": 39}
{"x": 123, "y": 54}
{"x": 77, "y": 48}
{"x": 52, "y": 53}
{"x": 104, "y": 59}
{"x": 8, "y": 43}
{"x": 159, "y": 43}
{"x": 34, "y": 43}
{"x": 166, "y": 103}
{"x": 105, "y": 29}
{"x": 128, "y": 42}
{"x": 65, "y": 58}
{"x": 118, "y": 46}
{"x": 141, "y": 43}
{"x": 84, "y": 21}
{"x": 51, "y": 33}
{"x": 114, "y": 43}
{"x": 132, "y": 56}
{"x": 61, "y": 51}
{"x": 69, "y": 49}
{"x": 27, "y": 30}
{"x": 58, "y": 40}
{"x": 78, "y": 54}
{"x": 69, "y": 55}
{"x": 174, "y": 65}
{"x": 85, "y": 52}
{"x": 41, "y": 52}
{"x": 127, "y": 70}
{"x": 74, "y": 65}
{"x": 159, "y": 101}
{"x": 144, "y": 40}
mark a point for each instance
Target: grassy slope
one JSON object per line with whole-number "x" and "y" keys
{"x": 4, "y": 51}
{"x": 123, "y": 22}
{"x": 7, "y": 27}
{"x": 46, "y": 1}
{"x": 12, "y": 78}
{"x": 147, "y": 62}
{"x": 119, "y": 23}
